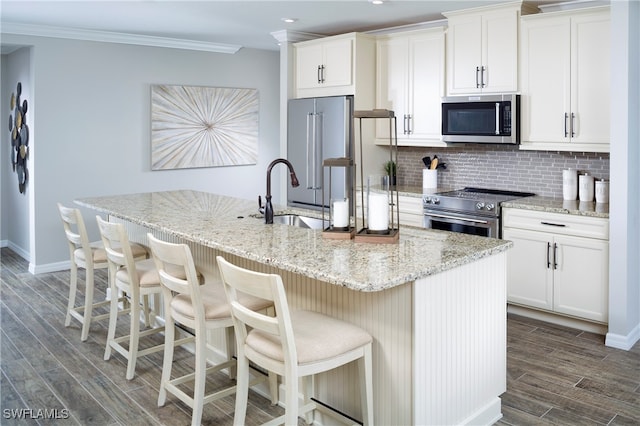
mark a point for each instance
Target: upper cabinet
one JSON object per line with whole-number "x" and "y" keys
{"x": 411, "y": 82}
{"x": 334, "y": 66}
{"x": 565, "y": 78}
{"x": 482, "y": 49}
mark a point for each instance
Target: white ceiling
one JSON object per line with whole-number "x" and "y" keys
{"x": 241, "y": 23}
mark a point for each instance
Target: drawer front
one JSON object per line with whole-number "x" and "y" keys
{"x": 557, "y": 223}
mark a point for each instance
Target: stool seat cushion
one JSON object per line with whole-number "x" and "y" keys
{"x": 100, "y": 255}
{"x": 147, "y": 274}
{"x": 317, "y": 337}
{"x": 215, "y": 302}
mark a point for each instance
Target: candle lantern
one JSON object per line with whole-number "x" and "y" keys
{"x": 382, "y": 221}
{"x": 342, "y": 212}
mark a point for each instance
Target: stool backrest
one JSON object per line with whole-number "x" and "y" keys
{"x": 265, "y": 286}
{"x": 177, "y": 271}
{"x": 75, "y": 231}
{"x": 116, "y": 244}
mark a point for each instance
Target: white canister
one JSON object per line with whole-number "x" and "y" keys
{"x": 586, "y": 187}
{"x": 570, "y": 184}
{"x": 602, "y": 191}
{"x": 429, "y": 178}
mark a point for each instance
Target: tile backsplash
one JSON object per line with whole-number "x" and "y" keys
{"x": 500, "y": 167}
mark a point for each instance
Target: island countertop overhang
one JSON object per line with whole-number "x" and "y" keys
{"x": 230, "y": 225}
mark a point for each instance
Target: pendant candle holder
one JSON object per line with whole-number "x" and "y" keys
{"x": 342, "y": 211}
{"x": 386, "y": 206}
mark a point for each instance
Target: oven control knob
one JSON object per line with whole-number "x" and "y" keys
{"x": 426, "y": 200}
{"x": 490, "y": 206}
{"x": 435, "y": 200}
{"x": 479, "y": 206}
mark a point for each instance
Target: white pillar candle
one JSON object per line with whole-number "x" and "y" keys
{"x": 378, "y": 210}
{"x": 341, "y": 213}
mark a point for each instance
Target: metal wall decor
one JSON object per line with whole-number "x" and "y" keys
{"x": 19, "y": 137}
{"x": 195, "y": 126}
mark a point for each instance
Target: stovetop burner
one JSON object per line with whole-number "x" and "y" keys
{"x": 480, "y": 193}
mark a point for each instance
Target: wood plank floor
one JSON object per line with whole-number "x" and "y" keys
{"x": 555, "y": 375}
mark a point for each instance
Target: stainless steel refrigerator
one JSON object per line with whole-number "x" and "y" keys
{"x": 319, "y": 128}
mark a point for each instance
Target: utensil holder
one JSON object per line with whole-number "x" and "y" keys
{"x": 429, "y": 178}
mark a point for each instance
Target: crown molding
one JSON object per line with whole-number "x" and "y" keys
{"x": 113, "y": 37}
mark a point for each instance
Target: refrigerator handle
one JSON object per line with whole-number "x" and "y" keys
{"x": 313, "y": 157}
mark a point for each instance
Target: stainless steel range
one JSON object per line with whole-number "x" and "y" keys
{"x": 474, "y": 211}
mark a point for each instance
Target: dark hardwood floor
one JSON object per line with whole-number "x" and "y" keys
{"x": 555, "y": 375}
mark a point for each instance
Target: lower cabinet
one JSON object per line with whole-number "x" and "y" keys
{"x": 558, "y": 263}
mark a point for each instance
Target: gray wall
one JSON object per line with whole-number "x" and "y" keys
{"x": 91, "y": 109}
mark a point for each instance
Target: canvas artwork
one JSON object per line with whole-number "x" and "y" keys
{"x": 194, "y": 126}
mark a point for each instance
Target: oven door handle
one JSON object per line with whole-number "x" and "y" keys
{"x": 463, "y": 219}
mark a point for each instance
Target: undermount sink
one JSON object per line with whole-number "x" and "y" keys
{"x": 299, "y": 221}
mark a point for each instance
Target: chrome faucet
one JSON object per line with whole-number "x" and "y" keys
{"x": 267, "y": 209}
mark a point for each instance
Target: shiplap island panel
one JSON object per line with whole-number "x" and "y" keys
{"x": 435, "y": 302}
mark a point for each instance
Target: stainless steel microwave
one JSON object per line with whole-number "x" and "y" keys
{"x": 481, "y": 118}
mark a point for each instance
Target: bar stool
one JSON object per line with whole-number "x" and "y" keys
{"x": 201, "y": 308}
{"x": 293, "y": 344}
{"x": 135, "y": 279}
{"x": 90, "y": 256}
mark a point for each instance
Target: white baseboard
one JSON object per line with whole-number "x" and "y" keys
{"x": 558, "y": 319}
{"x": 624, "y": 342}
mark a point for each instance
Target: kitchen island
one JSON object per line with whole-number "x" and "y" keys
{"x": 435, "y": 302}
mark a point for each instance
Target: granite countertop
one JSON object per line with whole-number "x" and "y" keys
{"x": 557, "y": 205}
{"x": 232, "y": 225}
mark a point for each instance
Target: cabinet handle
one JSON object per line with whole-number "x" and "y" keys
{"x": 482, "y": 83}
{"x": 404, "y": 124}
{"x": 409, "y": 130}
{"x": 319, "y": 78}
{"x": 555, "y": 255}
{"x": 573, "y": 123}
{"x": 477, "y": 72}
{"x": 566, "y": 117}
{"x": 548, "y": 257}
{"x": 560, "y": 225}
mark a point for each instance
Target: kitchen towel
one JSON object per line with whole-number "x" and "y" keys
{"x": 570, "y": 184}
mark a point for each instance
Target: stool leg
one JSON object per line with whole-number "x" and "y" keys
{"x": 273, "y": 387}
{"x": 88, "y": 303}
{"x": 73, "y": 287}
{"x": 134, "y": 339}
{"x": 291, "y": 399}
{"x": 242, "y": 389}
{"x": 169, "y": 337}
{"x": 145, "y": 301}
{"x": 201, "y": 377}
{"x": 308, "y": 393}
{"x": 365, "y": 369}
{"x": 230, "y": 341}
{"x": 113, "y": 319}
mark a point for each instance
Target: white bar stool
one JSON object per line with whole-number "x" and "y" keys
{"x": 90, "y": 256}
{"x": 201, "y": 308}
{"x": 294, "y": 344}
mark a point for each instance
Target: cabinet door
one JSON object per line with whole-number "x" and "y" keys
{"x": 338, "y": 60}
{"x": 308, "y": 59}
{"x": 529, "y": 268}
{"x": 581, "y": 277}
{"x": 500, "y": 52}
{"x": 590, "y": 88}
{"x": 545, "y": 71}
{"x": 426, "y": 79}
{"x": 464, "y": 50}
{"x": 392, "y": 83}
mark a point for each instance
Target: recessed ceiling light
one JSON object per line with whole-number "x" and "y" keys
{"x": 376, "y": 1}
{"x": 289, "y": 20}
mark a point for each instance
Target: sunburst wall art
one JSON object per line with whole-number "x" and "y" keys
{"x": 194, "y": 126}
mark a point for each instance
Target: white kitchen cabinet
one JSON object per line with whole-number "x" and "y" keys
{"x": 565, "y": 74}
{"x": 333, "y": 66}
{"x": 482, "y": 49}
{"x": 558, "y": 263}
{"x": 411, "y": 82}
